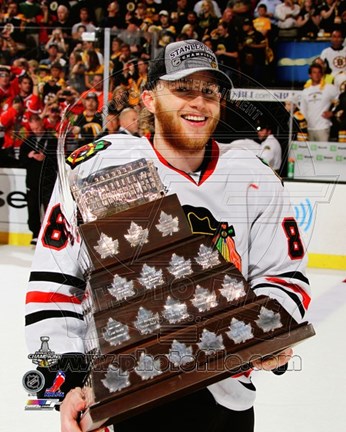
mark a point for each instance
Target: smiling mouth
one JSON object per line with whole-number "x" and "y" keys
{"x": 194, "y": 118}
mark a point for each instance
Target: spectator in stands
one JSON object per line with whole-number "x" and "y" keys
{"x": 88, "y": 124}
{"x": 165, "y": 23}
{"x": 262, "y": 23}
{"x": 51, "y": 116}
{"x": 242, "y": 8}
{"x": 271, "y": 6}
{"x": 335, "y": 55}
{"x": 94, "y": 68}
{"x": 54, "y": 56}
{"x": 308, "y": 20}
{"x": 14, "y": 132}
{"x": 198, "y": 8}
{"x": 8, "y": 49}
{"x": 128, "y": 121}
{"x": 316, "y": 102}
{"x": 331, "y": 15}
{"x": 38, "y": 154}
{"x": 28, "y": 90}
{"x": 12, "y": 16}
{"x": 64, "y": 22}
{"x": 189, "y": 31}
{"x": 113, "y": 19}
{"x": 90, "y": 46}
{"x": 85, "y": 21}
{"x": 77, "y": 71}
{"x": 270, "y": 150}
{"x": 115, "y": 48}
{"x": 207, "y": 19}
{"x": 142, "y": 68}
{"x": 252, "y": 52}
{"x": 340, "y": 112}
{"x": 57, "y": 38}
{"x": 299, "y": 124}
{"x": 287, "y": 13}
{"x": 327, "y": 77}
{"x": 226, "y": 50}
{"x": 8, "y": 87}
{"x": 120, "y": 99}
{"x": 119, "y": 63}
{"x": 112, "y": 125}
{"x": 97, "y": 88}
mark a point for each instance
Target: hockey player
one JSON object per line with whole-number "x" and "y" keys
{"x": 233, "y": 188}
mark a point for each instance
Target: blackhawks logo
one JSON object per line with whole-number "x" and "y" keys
{"x": 86, "y": 152}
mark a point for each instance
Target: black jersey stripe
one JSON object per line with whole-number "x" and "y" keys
{"x": 59, "y": 278}
{"x": 249, "y": 386}
{"x": 48, "y": 314}
{"x": 294, "y": 275}
{"x": 293, "y": 296}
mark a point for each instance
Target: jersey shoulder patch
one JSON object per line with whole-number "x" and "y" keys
{"x": 86, "y": 152}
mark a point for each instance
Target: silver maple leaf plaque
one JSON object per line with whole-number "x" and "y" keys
{"x": 115, "y": 379}
{"x": 232, "y": 288}
{"x": 136, "y": 235}
{"x": 180, "y": 354}
{"x": 147, "y": 367}
{"x": 147, "y": 321}
{"x": 204, "y": 299}
{"x": 210, "y": 343}
{"x": 207, "y": 257}
{"x": 115, "y": 332}
{"x": 150, "y": 278}
{"x": 268, "y": 320}
{"x": 179, "y": 266}
{"x": 239, "y": 331}
{"x": 121, "y": 288}
{"x": 167, "y": 224}
{"x": 175, "y": 311}
{"x": 106, "y": 246}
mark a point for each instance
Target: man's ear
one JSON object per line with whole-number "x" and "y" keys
{"x": 148, "y": 100}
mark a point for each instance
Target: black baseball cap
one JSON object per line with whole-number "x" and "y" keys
{"x": 181, "y": 59}
{"x": 91, "y": 95}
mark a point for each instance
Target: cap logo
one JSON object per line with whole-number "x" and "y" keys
{"x": 213, "y": 65}
{"x": 191, "y": 51}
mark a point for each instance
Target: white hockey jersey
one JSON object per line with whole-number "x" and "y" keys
{"x": 234, "y": 187}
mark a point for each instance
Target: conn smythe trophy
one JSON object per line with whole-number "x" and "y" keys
{"x": 165, "y": 313}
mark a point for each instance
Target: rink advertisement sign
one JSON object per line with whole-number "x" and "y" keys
{"x": 13, "y": 204}
{"x": 319, "y": 160}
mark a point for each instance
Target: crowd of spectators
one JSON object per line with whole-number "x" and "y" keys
{"x": 52, "y": 56}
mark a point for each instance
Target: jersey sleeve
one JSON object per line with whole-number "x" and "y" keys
{"x": 277, "y": 255}
{"x": 53, "y": 300}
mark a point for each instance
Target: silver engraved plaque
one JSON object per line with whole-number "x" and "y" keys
{"x": 136, "y": 235}
{"x": 207, "y": 257}
{"x": 115, "y": 332}
{"x": 239, "y": 331}
{"x": 115, "y": 379}
{"x": 180, "y": 354}
{"x": 121, "y": 288}
{"x": 232, "y": 289}
{"x": 175, "y": 311}
{"x": 147, "y": 367}
{"x": 147, "y": 321}
{"x": 179, "y": 266}
{"x": 203, "y": 299}
{"x": 210, "y": 342}
{"x": 106, "y": 246}
{"x": 167, "y": 224}
{"x": 150, "y": 277}
{"x": 116, "y": 189}
{"x": 268, "y": 320}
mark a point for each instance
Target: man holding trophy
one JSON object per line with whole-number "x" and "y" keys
{"x": 230, "y": 196}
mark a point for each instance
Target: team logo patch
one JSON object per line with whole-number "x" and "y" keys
{"x": 44, "y": 357}
{"x": 86, "y": 152}
{"x": 202, "y": 221}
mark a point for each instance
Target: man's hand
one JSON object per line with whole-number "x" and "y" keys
{"x": 70, "y": 409}
{"x": 274, "y": 362}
